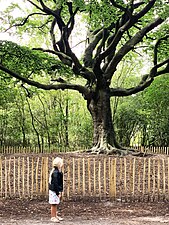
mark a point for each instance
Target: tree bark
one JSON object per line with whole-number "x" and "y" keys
{"x": 104, "y": 139}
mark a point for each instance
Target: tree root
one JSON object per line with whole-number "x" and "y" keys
{"x": 110, "y": 150}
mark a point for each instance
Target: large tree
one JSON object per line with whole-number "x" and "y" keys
{"x": 114, "y": 30}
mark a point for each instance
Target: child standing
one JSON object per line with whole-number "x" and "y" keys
{"x": 55, "y": 188}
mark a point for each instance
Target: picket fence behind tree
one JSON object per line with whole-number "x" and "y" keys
{"x": 30, "y": 150}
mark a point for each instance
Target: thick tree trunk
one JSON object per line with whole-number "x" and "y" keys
{"x": 104, "y": 140}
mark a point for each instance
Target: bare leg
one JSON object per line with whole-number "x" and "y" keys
{"x": 58, "y": 217}
{"x": 53, "y": 211}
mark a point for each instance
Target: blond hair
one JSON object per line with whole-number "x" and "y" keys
{"x": 57, "y": 162}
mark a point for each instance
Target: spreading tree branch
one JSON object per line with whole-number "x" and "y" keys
{"x": 58, "y": 53}
{"x": 88, "y": 55}
{"x": 35, "y": 5}
{"x": 155, "y": 73}
{"x": 144, "y": 83}
{"x": 63, "y": 86}
{"x": 145, "y": 9}
{"x": 65, "y": 29}
{"x": 129, "y": 45}
{"x": 25, "y": 20}
{"x": 118, "y": 5}
{"x": 156, "y": 47}
{"x": 128, "y": 20}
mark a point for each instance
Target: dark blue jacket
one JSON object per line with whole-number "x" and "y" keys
{"x": 56, "y": 181}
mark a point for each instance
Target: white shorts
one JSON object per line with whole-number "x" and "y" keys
{"x": 53, "y": 198}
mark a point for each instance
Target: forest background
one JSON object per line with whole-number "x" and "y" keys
{"x": 32, "y": 117}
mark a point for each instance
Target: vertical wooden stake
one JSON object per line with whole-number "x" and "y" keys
{"x": 32, "y": 176}
{"x": 83, "y": 177}
{"x": 6, "y": 178}
{"x": 14, "y": 175}
{"x": 130, "y": 180}
{"x": 79, "y": 177}
{"x": 19, "y": 174}
{"x": 134, "y": 174}
{"x": 120, "y": 178}
{"x": 23, "y": 176}
{"x": 94, "y": 176}
{"x": 44, "y": 176}
{"x": 41, "y": 176}
{"x": 154, "y": 179}
{"x": 89, "y": 176}
{"x": 73, "y": 173}
{"x": 149, "y": 181}
{"x": 28, "y": 171}
{"x": 158, "y": 181}
{"x": 164, "y": 178}
{"x": 109, "y": 172}
{"x": 139, "y": 178}
{"x": 110, "y": 179}
{"x": 125, "y": 179}
{"x": 115, "y": 168}
{"x": 9, "y": 176}
{"x": 105, "y": 171}
{"x": 68, "y": 179}
{"x": 47, "y": 174}
{"x": 36, "y": 176}
{"x": 144, "y": 178}
{"x": 99, "y": 178}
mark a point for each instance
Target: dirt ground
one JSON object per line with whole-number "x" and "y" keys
{"x": 76, "y": 212}
{"x": 34, "y": 212}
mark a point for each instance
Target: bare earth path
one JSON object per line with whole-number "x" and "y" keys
{"x": 36, "y": 212}
{"x": 106, "y": 221}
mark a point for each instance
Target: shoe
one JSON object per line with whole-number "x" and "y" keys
{"x": 54, "y": 219}
{"x": 59, "y": 218}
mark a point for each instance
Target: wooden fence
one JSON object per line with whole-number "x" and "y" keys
{"x": 29, "y": 150}
{"x": 153, "y": 149}
{"x": 119, "y": 179}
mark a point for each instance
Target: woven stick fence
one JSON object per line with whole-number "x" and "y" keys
{"x": 118, "y": 179}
